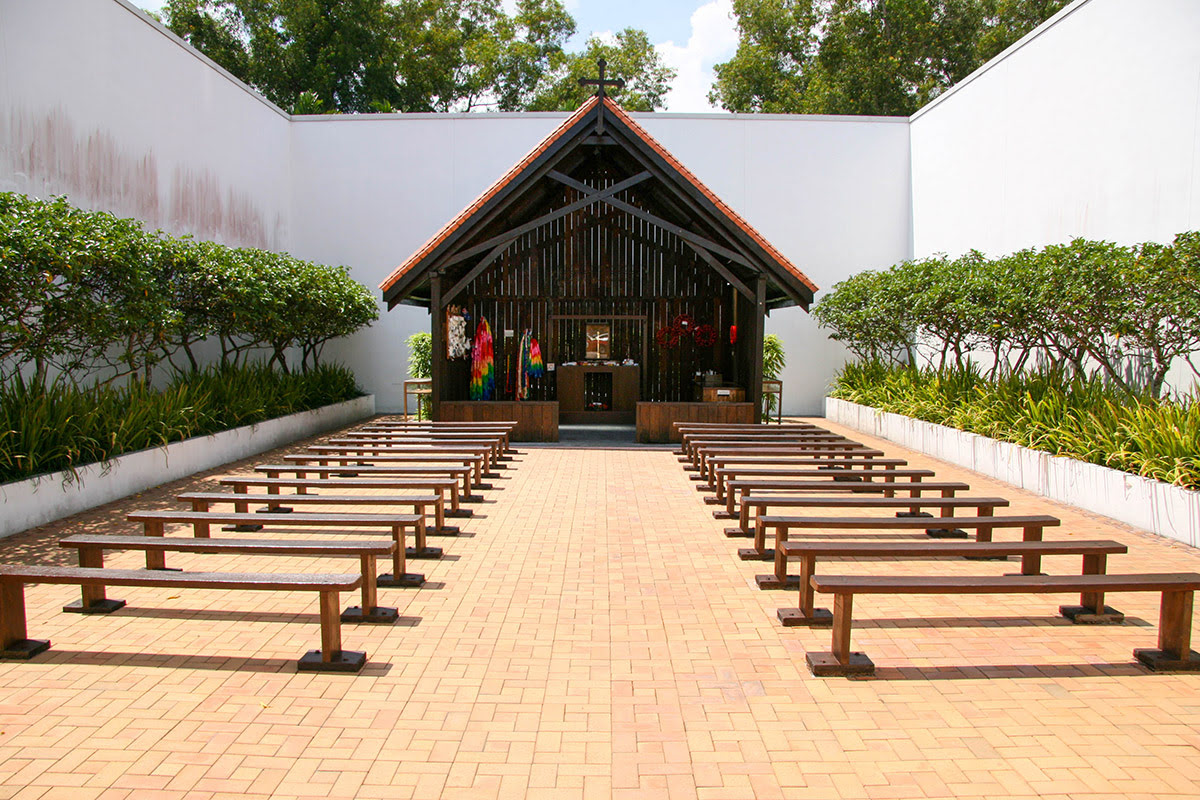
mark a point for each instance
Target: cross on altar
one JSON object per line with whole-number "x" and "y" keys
{"x": 601, "y": 82}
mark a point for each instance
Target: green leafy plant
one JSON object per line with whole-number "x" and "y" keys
{"x": 45, "y": 427}
{"x": 774, "y": 361}
{"x": 1055, "y": 410}
{"x": 420, "y": 355}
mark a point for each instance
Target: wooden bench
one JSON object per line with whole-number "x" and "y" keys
{"x": 888, "y": 474}
{"x": 725, "y": 469}
{"x": 711, "y": 460}
{"x": 154, "y": 524}
{"x": 1031, "y": 525}
{"x": 14, "y": 641}
{"x": 91, "y": 554}
{"x": 371, "y": 450}
{"x": 692, "y": 445}
{"x": 1095, "y": 559}
{"x": 745, "y": 527}
{"x": 461, "y": 473}
{"x": 705, "y": 452}
{"x": 442, "y": 486}
{"x": 984, "y": 506}
{"x": 347, "y": 463}
{"x": 280, "y": 504}
{"x": 915, "y": 488}
{"x": 491, "y": 447}
{"x": 1174, "y": 624}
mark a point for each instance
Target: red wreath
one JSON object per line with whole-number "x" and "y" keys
{"x": 684, "y": 323}
{"x": 668, "y": 337}
{"x": 705, "y": 335}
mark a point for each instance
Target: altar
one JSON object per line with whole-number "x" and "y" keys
{"x": 598, "y": 393}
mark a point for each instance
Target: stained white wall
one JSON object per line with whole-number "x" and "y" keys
{"x": 99, "y": 103}
{"x": 831, "y": 192}
{"x": 1089, "y": 126}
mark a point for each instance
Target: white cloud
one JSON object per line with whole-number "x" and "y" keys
{"x": 714, "y": 38}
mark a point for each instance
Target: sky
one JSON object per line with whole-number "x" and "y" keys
{"x": 691, "y": 36}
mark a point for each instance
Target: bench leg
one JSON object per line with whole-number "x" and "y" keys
{"x": 399, "y": 576}
{"x": 1174, "y": 650}
{"x": 1091, "y": 609}
{"x": 778, "y": 579}
{"x": 331, "y": 657}
{"x": 155, "y": 559}
{"x": 93, "y": 600}
{"x": 759, "y": 551}
{"x": 421, "y": 549}
{"x": 731, "y": 502}
{"x": 13, "y": 641}
{"x": 806, "y": 614}
{"x": 840, "y": 661}
{"x": 370, "y": 610}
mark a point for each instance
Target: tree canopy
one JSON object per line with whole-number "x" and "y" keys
{"x": 864, "y": 56}
{"x": 320, "y": 56}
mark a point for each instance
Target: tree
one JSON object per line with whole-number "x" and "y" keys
{"x": 632, "y": 57}
{"x": 330, "y": 56}
{"x": 864, "y": 56}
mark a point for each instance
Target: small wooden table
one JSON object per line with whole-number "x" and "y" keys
{"x": 421, "y": 388}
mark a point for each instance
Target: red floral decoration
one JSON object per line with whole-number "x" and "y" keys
{"x": 668, "y": 337}
{"x": 684, "y": 323}
{"x": 733, "y": 334}
{"x": 705, "y": 335}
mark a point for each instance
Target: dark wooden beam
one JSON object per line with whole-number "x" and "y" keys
{"x": 729, "y": 277}
{"x": 476, "y": 270}
{"x": 437, "y": 345}
{"x": 756, "y": 351}
{"x": 678, "y": 230}
{"x": 515, "y": 233}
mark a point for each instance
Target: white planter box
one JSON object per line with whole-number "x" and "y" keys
{"x": 1154, "y": 506}
{"x": 54, "y": 496}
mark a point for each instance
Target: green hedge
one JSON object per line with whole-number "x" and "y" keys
{"x": 84, "y": 293}
{"x": 46, "y": 427}
{"x": 1067, "y": 415}
{"x": 1085, "y": 307}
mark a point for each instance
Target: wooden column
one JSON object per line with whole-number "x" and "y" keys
{"x": 437, "y": 345}
{"x": 754, "y": 395}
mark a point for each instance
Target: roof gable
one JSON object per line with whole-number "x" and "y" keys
{"x": 600, "y": 114}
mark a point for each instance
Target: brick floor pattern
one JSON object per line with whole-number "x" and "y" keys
{"x": 594, "y": 636}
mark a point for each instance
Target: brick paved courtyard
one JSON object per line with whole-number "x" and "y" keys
{"x": 594, "y": 635}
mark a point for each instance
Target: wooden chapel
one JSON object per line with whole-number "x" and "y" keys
{"x": 645, "y": 292}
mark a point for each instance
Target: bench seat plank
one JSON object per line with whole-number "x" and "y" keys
{"x": 1175, "y": 616}
{"x": 330, "y": 657}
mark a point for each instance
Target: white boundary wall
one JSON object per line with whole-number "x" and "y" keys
{"x": 1144, "y": 503}
{"x": 1089, "y": 126}
{"x": 56, "y": 495}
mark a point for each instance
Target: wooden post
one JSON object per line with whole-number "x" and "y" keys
{"x": 92, "y": 594}
{"x": 756, "y": 345}
{"x": 155, "y": 559}
{"x": 331, "y": 626}
{"x": 12, "y": 613}
{"x": 1175, "y": 624}
{"x": 843, "y": 605}
{"x": 437, "y": 345}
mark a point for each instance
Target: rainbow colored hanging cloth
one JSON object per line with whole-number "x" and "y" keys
{"x": 483, "y": 373}
{"x": 530, "y": 364}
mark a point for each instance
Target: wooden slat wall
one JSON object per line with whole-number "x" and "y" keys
{"x": 600, "y": 263}
{"x": 654, "y": 420}
{"x": 536, "y": 421}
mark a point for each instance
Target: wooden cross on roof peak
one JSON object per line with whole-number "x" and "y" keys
{"x": 600, "y": 83}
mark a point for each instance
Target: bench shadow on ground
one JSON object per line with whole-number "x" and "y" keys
{"x": 1002, "y": 671}
{"x": 985, "y": 622}
{"x": 108, "y": 658}
{"x": 282, "y": 617}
